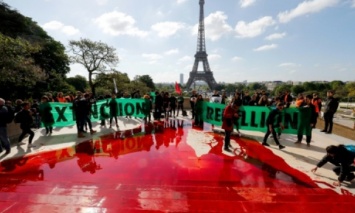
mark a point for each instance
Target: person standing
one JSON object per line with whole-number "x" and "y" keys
{"x": 331, "y": 107}
{"x": 180, "y": 106}
{"x": 199, "y": 111}
{"x": 113, "y": 109}
{"x": 173, "y": 102}
{"x": 46, "y": 115}
{"x": 4, "y": 119}
{"x": 343, "y": 159}
{"x": 274, "y": 120}
{"x": 317, "y": 103}
{"x": 309, "y": 118}
{"x": 229, "y": 114}
{"x": 24, "y": 117}
{"x": 193, "y": 98}
{"x": 158, "y": 106}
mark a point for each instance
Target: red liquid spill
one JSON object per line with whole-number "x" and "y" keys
{"x": 158, "y": 171}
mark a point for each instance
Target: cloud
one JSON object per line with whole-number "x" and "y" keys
{"x": 117, "y": 23}
{"x": 275, "y": 36}
{"x": 306, "y": 7}
{"x": 166, "y": 29}
{"x": 185, "y": 59}
{"x": 236, "y": 58}
{"x": 287, "y": 64}
{"x": 58, "y": 26}
{"x": 102, "y": 2}
{"x": 254, "y": 28}
{"x": 215, "y": 26}
{"x": 266, "y": 47}
{"x": 214, "y": 57}
{"x": 172, "y": 52}
{"x": 180, "y": 1}
{"x": 153, "y": 58}
{"x": 246, "y": 3}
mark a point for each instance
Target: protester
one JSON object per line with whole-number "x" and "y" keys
{"x": 199, "y": 111}
{"x": 193, "y": 98}
{"x": 24, "y": 117}
{"x": 229, "y": 114}
{"x": 343, "y": 159}
{"x": 331, "y": 107}
{"x": 180, "y": 106}
{"x": 274, "y": 117}
{"x": 113, "y": 110}
{"x": 309, "y": 115}
{"x": 46, "y": 116}
{"x": 6, "y": 116}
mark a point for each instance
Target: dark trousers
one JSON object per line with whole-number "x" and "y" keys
{"x": 349, "y": 175}
{"x": 274, "y": 135}
{"x": 111, "y": 118}
{"x": 179, "y": 107}
{"x": 49, "y": 129}
{"x": 328, "y": 120}
{"x": 25, "y": 131}
{"x": 227, "y": 139}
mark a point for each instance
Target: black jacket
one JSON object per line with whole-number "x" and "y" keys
{"x": 271, "y": 119}
{"x": 344, "y": 158}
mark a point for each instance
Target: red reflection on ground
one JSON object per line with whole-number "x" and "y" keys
{"x": 159, "y": 170}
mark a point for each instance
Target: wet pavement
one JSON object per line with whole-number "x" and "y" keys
{"x": 169, "y": 166}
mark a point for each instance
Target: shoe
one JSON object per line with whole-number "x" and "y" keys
{"x": 297, "y": 142}
{"x": 308, "y": 144}
{"x": 281, "y": 147}
{"x": 31, "y": 145}
{"x": 80, "y": 135}
{"x": 117, "y": 126}
{"x": 328, "y": 132}
{"x": 7, "y": 152}
{"x": 323, "y": 130}
{"x": 92, "y": 131}
{"x": 265, "y": 144}
{"x": 227, "y": 150}
{"x": 20, "y": 143}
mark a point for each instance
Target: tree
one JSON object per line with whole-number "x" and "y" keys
{"x": 78, "y": 82}
{"x": 96, "y": 57}
{"x": 282, "y": 88}
{"x": 147, "y": 80}
{"x": 256, "y": 86}
{"x": 297, "y": 89}
{"x": 17, "y": 69}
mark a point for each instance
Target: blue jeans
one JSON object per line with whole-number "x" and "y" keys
{"x": 5, "y": 142}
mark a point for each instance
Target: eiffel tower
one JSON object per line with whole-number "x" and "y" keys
{"x": 201, "y": 56}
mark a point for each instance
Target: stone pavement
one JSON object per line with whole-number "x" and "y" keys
{"x": 169, "y": 167}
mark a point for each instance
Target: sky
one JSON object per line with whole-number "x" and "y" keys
{"x": 246, "y": 40}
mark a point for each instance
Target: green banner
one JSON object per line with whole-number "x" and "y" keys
{"x": 64, "y": 116}
{"x": 254, "y": 117}
{"x": 251, "y": 117}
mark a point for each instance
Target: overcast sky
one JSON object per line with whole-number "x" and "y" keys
{"x": 253, "y": 40}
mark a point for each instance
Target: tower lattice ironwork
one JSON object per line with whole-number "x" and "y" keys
{"x": 201, "y": 56}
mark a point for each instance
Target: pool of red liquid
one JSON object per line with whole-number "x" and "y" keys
{"x": 158, "y": 171}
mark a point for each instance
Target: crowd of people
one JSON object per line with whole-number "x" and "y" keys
{"x": 165, "y": 105}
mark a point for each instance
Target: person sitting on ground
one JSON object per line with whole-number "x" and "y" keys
{"x": 343, "y": 159}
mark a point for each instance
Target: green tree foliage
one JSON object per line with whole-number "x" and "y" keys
{"x": 17, "y": 68}
{"x": 282, "y": 88}
{"x": 297, "y": 89}
{"x": 256, "y": 86}
{"x": 96, "y": 57}
{"x": 31, "y": 61}
{"x": 147, "y": 80}
{"x": 78, "y": 82}
{"x": 350, "y": 87}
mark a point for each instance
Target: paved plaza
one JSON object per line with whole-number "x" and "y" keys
{"x": 169, "y": 166}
